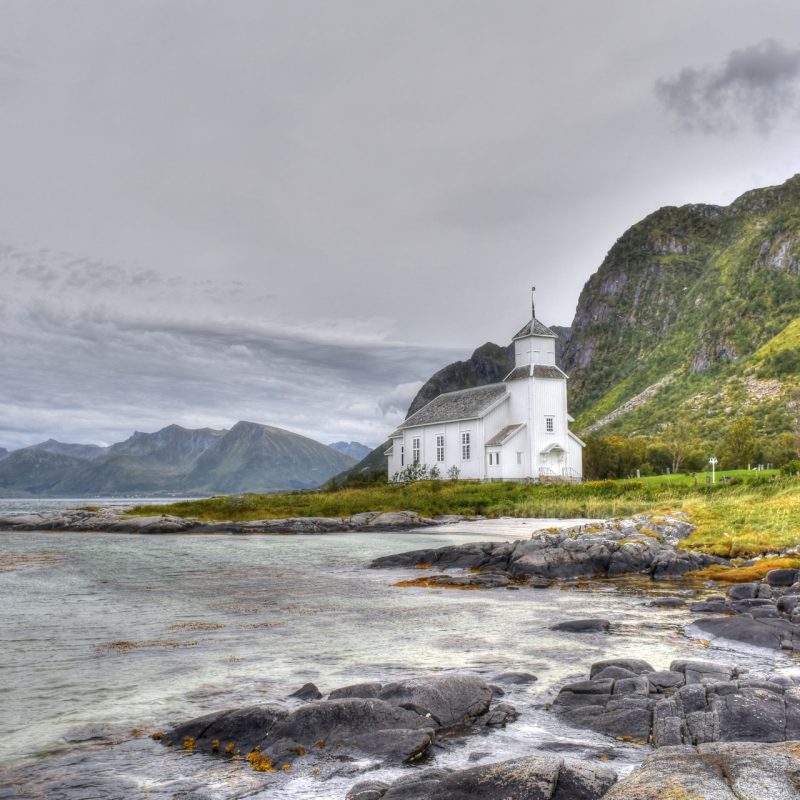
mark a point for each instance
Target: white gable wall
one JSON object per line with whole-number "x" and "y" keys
{"x": 534, "y": 350}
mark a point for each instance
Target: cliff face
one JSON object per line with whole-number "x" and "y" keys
{"x": 684, "y": 301}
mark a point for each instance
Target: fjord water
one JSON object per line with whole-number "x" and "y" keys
{"x": 108, "y": 636}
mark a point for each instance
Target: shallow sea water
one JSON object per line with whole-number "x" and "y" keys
{"x": 107, "y": 638}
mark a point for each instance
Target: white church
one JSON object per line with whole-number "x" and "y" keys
{"x": 516, "y": 430}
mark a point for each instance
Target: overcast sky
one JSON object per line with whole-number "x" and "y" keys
{"x": 294, "y": 212}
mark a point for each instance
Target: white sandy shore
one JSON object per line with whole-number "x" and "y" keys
{"x": 508, "y": 528}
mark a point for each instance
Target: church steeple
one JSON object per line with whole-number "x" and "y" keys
{"x": 535, "y": 342}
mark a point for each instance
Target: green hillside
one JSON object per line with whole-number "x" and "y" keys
{"x": 693, "y": 315}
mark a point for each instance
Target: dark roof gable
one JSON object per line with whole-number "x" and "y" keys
{"x": 535, "y": 328}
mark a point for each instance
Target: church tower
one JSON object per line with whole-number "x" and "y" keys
{"x": 535, "y": 343}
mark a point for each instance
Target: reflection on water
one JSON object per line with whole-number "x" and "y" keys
{"x": 106, "y": 634}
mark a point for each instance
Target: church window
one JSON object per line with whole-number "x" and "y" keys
{"x": 415, "y": 450}
{"x": 466, "y": 450}
{"x": 440, "y": 448}
{"x": 402, "y": 456}
{"x": 549, "y": 424}
{"x": 519, "y": 457}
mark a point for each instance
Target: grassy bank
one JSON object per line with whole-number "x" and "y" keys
{"x": 751, "y": 516}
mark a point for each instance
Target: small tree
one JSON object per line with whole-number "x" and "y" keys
{"x": 679, "y": 438}
{"x": 739, "y": 446}
{"x": 453, "y": 473}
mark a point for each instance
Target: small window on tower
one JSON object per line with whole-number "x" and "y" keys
{"x": 550, "y": 424}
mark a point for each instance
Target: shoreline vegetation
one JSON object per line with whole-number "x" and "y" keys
{"x": 748, "y": 515}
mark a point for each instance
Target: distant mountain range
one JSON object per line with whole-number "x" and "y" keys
{"x": 175, "y": 461}
{"x": 355, "y": 450}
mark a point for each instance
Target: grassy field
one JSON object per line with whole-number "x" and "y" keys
{"x": 702, "y": 478}
{"x": 755, "y": 514}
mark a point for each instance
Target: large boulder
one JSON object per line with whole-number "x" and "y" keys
{"x": 693, "y": 702}
{"x": 449, "y": 700}
{"x": 719, "y": 771}
{"x": 535, "y": 777}
{"x": 395, "y": 722}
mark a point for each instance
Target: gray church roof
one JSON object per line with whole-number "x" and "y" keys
{"x": 535, "y": 328}
{"x": 464, "y": 404}
{"x": 539, "y": 371}
{"x": 504, "y": 433}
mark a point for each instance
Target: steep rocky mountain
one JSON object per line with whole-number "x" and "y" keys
{"x": 171, "y": 446}
{"x": 258, "y": 458}
{"x": 355, "y": 450}
{"x": 176, "y": 460}
{"x": 693, "y": 312}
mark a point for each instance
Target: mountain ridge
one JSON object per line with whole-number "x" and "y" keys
{"x": 174, "y": 460}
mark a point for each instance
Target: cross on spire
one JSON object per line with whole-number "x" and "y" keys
{"x": 533, "y": 302}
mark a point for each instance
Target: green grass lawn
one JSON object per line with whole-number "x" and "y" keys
{"x": 701, "y": 478}
{"x": 756, "y": 513}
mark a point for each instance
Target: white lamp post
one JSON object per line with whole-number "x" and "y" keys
{"x": 713, "y": 461}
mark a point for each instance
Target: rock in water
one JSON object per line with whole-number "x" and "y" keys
{"x": 535, "y": 777}
{"x": 719, "y": 771}
{"x": 614, "y": 548}
{"x": 693, "y": 702}
{"x": 396, "y": 722}
{"x": 582, "y": 626}
{"x": 308, "y": 691}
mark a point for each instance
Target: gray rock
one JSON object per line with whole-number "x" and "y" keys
{"x": 743, "y": 591}
{"x": 515, "y": 678}
{"x": 667, "y": 602}
{"x": 699, "y": 671}
{"x": 535, "y": 777}
{"x": 617, "y": 548}
{"x": 449, "y": 700}
{"x": 500, "y": 714}
{"x": 742, "y": 629}
{"x": 582, "y": 626}
{"x": 307, "y": 691}
{"x": 782, "y": 577}
{"x": 367, "y": 790}
{"x": 365, "y": 690}
{"x": 397, "y": 726}
{"x": 634, "y": 665}
{"x": 719, "y": 771}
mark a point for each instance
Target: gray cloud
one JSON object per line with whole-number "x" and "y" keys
{"x": 296, "y": 212}
{"x": 756, "y": 86}
{"x": 93, "y": 367}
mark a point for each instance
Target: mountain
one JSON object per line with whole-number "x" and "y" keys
{"x": 82, "y": 451}
{"x": 3, "y": 452}
{"x": 259, "y": 458}
{"x": 34, "y": 472}
{"x": 176, "y": 460}
{"x": 172, "y": 446}
{"x": 693, "y": 313}
{"x": 355, "y": 450}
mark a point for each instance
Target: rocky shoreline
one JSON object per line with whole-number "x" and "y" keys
{"x": 107, "y": 520}
{"x": 705, "y": 730}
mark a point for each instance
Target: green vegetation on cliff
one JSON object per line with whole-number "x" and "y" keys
{"x": 694, "y": 314}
